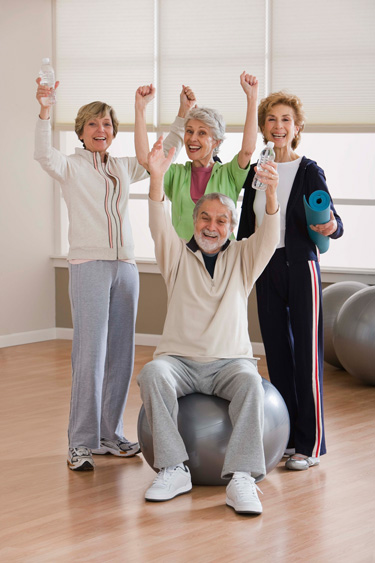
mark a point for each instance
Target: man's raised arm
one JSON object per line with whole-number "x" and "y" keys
{"x": 158, "y": 164}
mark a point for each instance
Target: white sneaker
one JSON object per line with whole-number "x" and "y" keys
{"x": 242, "y": 494}
{"x": 301, "y": 464}
{"x": 80, "y": 459}
{"x": 121, "y": 448}
{"x": 169, "y": 483}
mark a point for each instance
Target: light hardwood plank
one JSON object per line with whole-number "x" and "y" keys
{"x": 50, "y": 514}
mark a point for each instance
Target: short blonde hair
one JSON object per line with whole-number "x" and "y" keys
{"x": 287, "y": 100}
{"x": 94, "y": 109}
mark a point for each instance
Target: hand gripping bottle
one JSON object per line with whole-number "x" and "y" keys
{"x": 267, "y": 155}
{"x": 47, "y": 75}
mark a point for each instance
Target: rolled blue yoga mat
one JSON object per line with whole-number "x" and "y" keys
{"x": 317, "y": 211}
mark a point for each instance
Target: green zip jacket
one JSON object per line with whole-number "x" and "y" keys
{"x": 226, "y": 179}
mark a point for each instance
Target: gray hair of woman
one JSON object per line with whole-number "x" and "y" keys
{"x": 225, "y": 200}
{"x": 212, "y": 119}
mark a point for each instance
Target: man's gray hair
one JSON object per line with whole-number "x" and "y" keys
{"x": 212, "y": 119}
{"x": 225, "y": 200}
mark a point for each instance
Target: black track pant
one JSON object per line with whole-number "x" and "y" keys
{"x": 289, "y": 306}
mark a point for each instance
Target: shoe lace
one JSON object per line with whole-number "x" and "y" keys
{"x": 164, "y": 476}
{"x": 242, "y": 486}
{"x": 81, "y": 451}
{"x": 125, "y": 442}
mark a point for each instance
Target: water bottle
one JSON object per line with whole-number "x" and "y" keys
{"x": 267, "y": 155}
{"x": 47, "y": 75}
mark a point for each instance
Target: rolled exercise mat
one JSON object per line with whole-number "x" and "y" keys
{"x": 317, "y": 213}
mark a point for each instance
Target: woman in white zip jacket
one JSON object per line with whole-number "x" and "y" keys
{"x": 103, "y": 276}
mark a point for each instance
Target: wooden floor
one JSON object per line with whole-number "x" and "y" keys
{"x": 50, "y": 514}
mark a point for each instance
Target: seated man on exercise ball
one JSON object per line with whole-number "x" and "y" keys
{"x": 205, "y": 346}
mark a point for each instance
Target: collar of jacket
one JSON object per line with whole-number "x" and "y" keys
{"x": 93, "y": 157}
{"x": 194, "y": 247}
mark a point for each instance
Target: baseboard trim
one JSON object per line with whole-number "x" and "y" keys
{"x": 258, "y": 348}
{"x": 147, "y": 339}
{"x": 64, "y": 334}
{"x": 140, "y": 339}
{"x": 31, "y": 337}
{"x": 20, "y": 338}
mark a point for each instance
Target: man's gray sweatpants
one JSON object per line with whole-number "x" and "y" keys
{"x": 104, "y": 297}
{"x": 167, "y": 378}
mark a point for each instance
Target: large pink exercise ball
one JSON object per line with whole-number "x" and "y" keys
{"x": 354, "y": 335}
{"x": 334, "y": 297}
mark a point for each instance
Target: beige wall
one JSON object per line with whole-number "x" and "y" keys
{"x": 151, "y": 309}
{"x": 26, "y": 196}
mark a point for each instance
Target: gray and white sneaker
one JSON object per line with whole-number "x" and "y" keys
{"x": 298, "y": 462}
{"x": 169, "y": 483}
{"x": 80, "y": 459}
{"x": 120, "y": 448}
{"x": 242, "y": 494}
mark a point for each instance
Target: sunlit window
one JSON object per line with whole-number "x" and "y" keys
{"x": 346, "y": 159}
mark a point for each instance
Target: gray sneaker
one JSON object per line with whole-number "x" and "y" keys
{"x": 80, "y": 459}
{"x": 120, "y": 448}
{"x": 242, "y": 494}
{"x": 169, "y": 483}
{"x": 298, "y": 462}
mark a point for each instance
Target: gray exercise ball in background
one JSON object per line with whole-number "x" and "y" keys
{"x": 334, "y": 297}
{"x": 354, "y": 335}
{"x": 205, "y": 427}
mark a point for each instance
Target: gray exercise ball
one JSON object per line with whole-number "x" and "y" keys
{"x": 334, "y": 297}
{"x": 354, "y": 335}
{"x": 205, "y": 427}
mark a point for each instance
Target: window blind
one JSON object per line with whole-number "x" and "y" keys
{"x": 104, "y": 51}
{"x": 207, "y": 45}
{"x": 322, "y": 51}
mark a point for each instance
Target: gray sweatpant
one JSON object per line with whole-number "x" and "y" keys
{"x": 104, "y": 297}
{"x": 167, "y": 378}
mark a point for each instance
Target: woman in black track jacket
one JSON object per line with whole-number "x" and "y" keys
{"x": 289, "y": 292}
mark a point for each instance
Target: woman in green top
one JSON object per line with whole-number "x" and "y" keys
{"x": 185, "y": 183}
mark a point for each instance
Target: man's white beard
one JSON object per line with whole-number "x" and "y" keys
{"x": 209, "y": 246}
